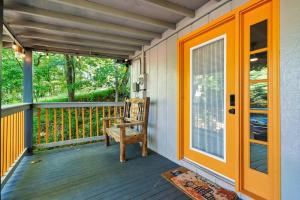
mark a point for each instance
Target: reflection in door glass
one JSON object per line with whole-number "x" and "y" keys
{"x": 258, "y": 66}
{"x": 258, "y": 126}
{"x": 258, "y": 96}
{"x": 207, "y": 98}
{"x": 259, "y": 157}
{"x": 258, "y": 35}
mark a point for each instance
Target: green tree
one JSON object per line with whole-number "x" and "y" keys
{"x": 12, "y": 77}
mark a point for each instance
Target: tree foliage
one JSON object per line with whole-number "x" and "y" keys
{"x": 12, "y": 77}
{"x": 50, "y": 78}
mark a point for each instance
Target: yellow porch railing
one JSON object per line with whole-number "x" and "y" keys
{"x": 74, "y": 122}
{"x": 12, "y": 135}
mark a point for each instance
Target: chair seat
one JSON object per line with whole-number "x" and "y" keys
{"x": 115, "y": 132}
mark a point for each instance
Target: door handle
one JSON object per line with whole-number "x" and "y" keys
{"x": 232, "y": 100}
{"x": 231, "y": 111}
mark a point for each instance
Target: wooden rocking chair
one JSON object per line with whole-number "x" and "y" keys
{"x": 132, "y": 127}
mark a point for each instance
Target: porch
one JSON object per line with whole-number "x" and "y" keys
{"x": 91, "y": 171}
{"x": 152, "y": 38}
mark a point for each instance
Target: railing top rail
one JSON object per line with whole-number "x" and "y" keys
{"x": 11, "y": 109}
{"x": 76, "y": 104}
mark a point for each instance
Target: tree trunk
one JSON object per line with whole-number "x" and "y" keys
{"x": 123, "y": 82}
{"x": 116, "y": 83}
{"x": 70, "y": 77}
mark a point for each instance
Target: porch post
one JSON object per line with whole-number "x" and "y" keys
{"x": 27, "y": 98}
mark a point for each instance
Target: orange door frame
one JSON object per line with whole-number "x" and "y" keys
{"x": 237, "y": 14}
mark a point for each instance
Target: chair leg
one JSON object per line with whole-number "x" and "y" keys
{"x": 122, "y": 152}
{"x": 144, "y": 148}
{"x": 106, "y": 139}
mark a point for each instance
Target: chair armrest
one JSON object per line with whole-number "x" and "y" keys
{"x": 123, "y": 125}
{"x": 111, "y": 118}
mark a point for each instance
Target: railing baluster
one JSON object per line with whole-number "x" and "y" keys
{"x": 18, "y": 134}
{"x": 76, "y": 119}
{"x": 97, "y": 121}
{"x": 109, "y": 116}
{"x": 39, "y": 125}
{"x": 103, "y": 115}
{"x": 120, "y": 111}
{"x": 82, "y": 115}
{"x": 70, "y": 124}
{"x": 23, "y": 131}
{"x": 91, "y": 123}
{"x": 115, "y": 114}
{"x": 2, "y": 145}
{"x": 9, "y": 141}
{"x": 6, "y": 143}
{"x": 54, "y": 124}
{"x": 62, "y": 124}
{"x": 14, "y": 138}
{"x": 47, "y": 124}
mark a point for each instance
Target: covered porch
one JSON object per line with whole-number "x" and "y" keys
{"x": 233, "y": 120}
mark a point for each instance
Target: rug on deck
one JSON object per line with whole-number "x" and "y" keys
{"x": 196, "y": 186}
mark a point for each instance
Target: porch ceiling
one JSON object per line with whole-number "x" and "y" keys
{"x": 109, "y": 28}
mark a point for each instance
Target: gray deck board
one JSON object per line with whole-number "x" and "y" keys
{"x": 91, "y": 171}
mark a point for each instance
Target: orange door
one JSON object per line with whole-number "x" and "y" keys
{"x": 208, "y": 98}
{"x": 258, "y": 131}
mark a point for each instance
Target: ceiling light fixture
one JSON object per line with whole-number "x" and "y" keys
{"x": 14, "y": 46}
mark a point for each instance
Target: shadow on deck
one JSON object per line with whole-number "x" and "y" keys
{"x": 91, "y": 171}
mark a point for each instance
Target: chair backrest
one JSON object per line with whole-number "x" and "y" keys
{"x": 137, "y": 109}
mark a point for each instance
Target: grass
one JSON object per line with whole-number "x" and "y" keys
{"x": 97, "y": 95}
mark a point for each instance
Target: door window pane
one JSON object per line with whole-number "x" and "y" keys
{"x": 259, "y": 126}
{"x": 258, "y": 66}
{"x": 207, "y": 96}
{"x": 258, "y": 35}
{"x": 259, "y": 157}
{"x": 258, "y": 96}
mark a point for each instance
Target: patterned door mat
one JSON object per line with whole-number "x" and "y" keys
{"x": 196, "y": 186}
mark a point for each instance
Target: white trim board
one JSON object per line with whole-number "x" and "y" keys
{"x": 221, "y": 37}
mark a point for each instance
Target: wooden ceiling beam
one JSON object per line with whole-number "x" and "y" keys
{"x": 79, "y": 32}
{"x": 7, "y": 44}
{"x": 172, "y": 7}
{"x": 9, "y": 33}
{"x": 74, "y": 52}
{"x": 37, "y": 12}
{"x": 30, "y": 43}
{"x": 6, "y": 38}
{"x": 78, "y": 41}
{"x": 114, "y": 12}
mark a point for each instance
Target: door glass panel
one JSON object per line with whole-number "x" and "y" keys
{"x": 258, "y": 126}
{"x": 207, "y": 96}
{"x": 258, "y": 66}
{"x": 258, "y": 35}
{"x": 258, "y": 96}
{"x": 259, "y": 157}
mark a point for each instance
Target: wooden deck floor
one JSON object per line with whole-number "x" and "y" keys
{"x": 91, "y": 171}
